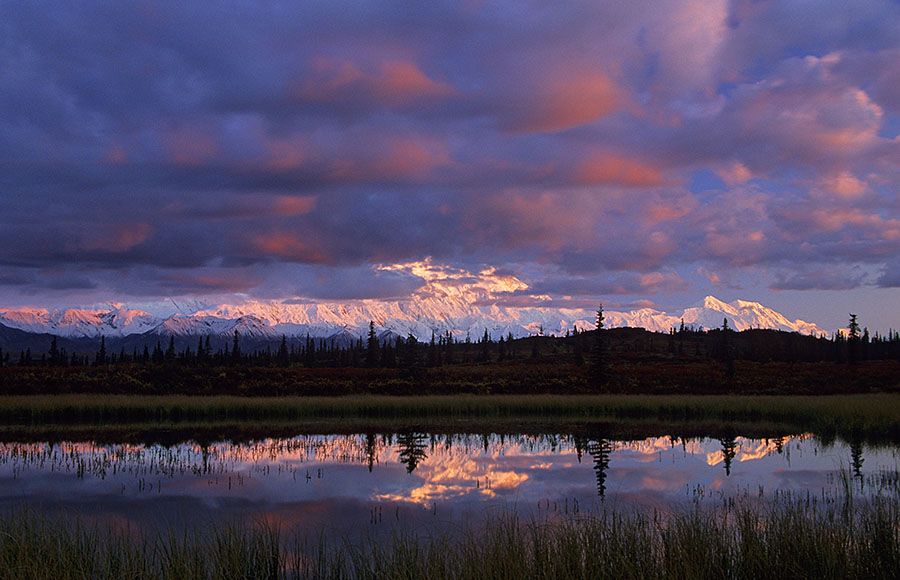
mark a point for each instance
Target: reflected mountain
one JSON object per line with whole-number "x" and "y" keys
{"x": 405, "y": 477}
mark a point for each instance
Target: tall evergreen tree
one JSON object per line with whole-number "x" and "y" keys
{"x": 236, "y": 349}
{"x": 283, "y": 355}
{"x": 372, "y": 346}
{"x": 853, "y": 346}
{"x": 100, "y": 359}
{"x": 54, "y": 352}
{"x": 727, "y": 349}
{"x": 599, "y": 371}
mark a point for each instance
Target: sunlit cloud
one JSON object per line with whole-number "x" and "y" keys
{"x": 605, "y": 169}
{"x": 559, "y": 102}
{"x": 390, "y": 83}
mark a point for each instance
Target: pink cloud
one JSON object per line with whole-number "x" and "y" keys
{"x": 612, "y": 169}
{"x": 809, "y": 114}
{"x": 736, "y": 247}
{"x": 286, "y": 205}
{"x": 563, "y": 101}
{"x": 845, "y": 185}
{"x": 834, "y": 219}
{"x": 735, "y": 173}
{"x": 392, "y": 83}
{"x": 289, "y": 247}
{"x": 399, "y": 81}
{"x": 405, "y": 156}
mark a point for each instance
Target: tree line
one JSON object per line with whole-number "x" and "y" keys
{"x": 598, "y": 348}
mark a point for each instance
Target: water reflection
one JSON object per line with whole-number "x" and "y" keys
{"x": 361, "y": 482}
{"x": 600, "y": 451}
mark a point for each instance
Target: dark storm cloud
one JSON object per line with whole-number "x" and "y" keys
{"x": 248, "y": 147}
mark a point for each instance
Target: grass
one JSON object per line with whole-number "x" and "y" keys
{"x": 791, "y": 538}
{"x": 870, "y": 418}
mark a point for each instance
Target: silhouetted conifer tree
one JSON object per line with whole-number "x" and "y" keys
{"x": 54, "y": 352}
{"x": 372, "y": 346}
{"x": 170, "y": 350}
{"x": 853, "y": 340}
{"x": 236, "y": 349}
{"x": 727, "y": 349}
{"x": 599, "y": 371}
{"x": 100, "y": 359}
{"x": 283, "y": 355}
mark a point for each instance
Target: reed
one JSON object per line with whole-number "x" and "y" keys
{"x": 791, "y": 537}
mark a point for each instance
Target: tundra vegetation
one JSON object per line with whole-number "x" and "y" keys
{"x": 620, "y": 360}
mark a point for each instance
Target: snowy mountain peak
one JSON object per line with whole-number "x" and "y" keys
{"x": 421, "y": 315}
{"x": 742, "y": 315}
{"x": 713, "y": 303}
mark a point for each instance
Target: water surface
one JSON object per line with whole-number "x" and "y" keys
{"x": 368, "y": 484}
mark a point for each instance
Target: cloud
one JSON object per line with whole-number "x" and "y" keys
{"x": 165, "y": 148}
{"x": 392, "y": 83}
{"x": 606, "y": 169}
{"x": 845, "y": 185}
{"x": 560, "y": 102}
{"x": 290, "y": 247}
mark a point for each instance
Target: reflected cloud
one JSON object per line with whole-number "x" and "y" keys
{"x": 342, "y": 481}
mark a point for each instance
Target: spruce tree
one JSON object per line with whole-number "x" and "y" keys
{"x": 283, "y": 356}
{"x": 54, "y": 352}
{"x": 101, "y": 354}
{"x": 599, "y": 371}
{"x": 853, "y": 340}
{"x": 727, "y": 350}
{"x": 372, "y": 346}
{"x": 236, "y": 349}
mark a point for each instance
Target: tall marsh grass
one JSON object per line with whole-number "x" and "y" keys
{"x": 791, "y": 538}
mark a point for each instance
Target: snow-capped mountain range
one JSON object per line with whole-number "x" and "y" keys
{"x": 452, "y": 310}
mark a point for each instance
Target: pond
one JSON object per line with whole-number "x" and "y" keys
{"x": 372, "y": 484}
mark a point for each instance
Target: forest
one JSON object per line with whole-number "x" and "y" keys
{"x": 635, "y": 360}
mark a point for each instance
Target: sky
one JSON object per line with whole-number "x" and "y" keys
{"x": 642, "y": 153}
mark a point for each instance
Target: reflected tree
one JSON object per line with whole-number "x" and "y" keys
{"x": 729, "y": 450}
{"x": 600, "y": 451}
{"x": 856, "y": 457}
{"x": 412, "y": 449}
{"x": 371, "y": 450}
{"x": 581, "y": 444}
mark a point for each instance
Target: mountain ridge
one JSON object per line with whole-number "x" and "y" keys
{"x": 420, "y": 316}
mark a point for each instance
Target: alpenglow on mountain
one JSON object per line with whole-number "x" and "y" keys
{"x": 419, "y": 316}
